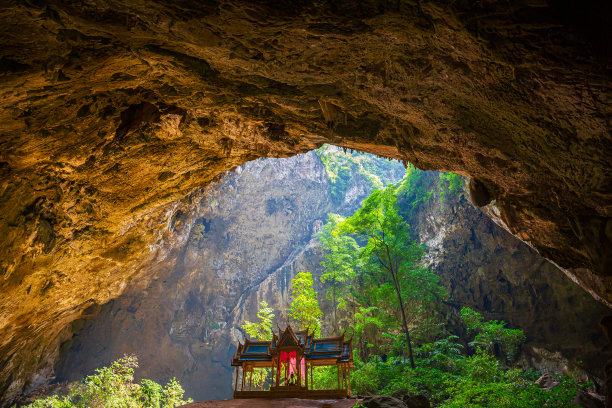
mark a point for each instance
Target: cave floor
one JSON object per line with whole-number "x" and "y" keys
{"x": 275, "y": 402}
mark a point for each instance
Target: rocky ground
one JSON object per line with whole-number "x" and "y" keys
{"x": 274, "y": 403}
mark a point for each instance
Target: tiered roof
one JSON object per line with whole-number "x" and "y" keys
{"x": 331, "y": 348}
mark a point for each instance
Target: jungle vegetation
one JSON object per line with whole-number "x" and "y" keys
{"x": 114, "y": 387}
{"x": 397, "y": 312}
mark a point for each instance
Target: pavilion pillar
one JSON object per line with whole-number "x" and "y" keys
{"x": 251, "y": 379}
{"x": 311, "y": 376}
{"x": 236, "y": 381}
{"x": 298, "y": 363}
{"x": 242, "y": 384}
{"x": 345, "y": 378}
{"x": 348, "y": 371}
{"x": 306, "y": 372}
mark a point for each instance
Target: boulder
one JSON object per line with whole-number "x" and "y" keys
{"x": 412, "y": 401}
{"x": 383, "y": 401}
{"x": 416, "y": 401}
{"x": 547, "y": 381}
{"x": 584, "y": 398}
{"x": 589, "y": 399}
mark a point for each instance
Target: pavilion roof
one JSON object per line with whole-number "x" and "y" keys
{"x": 313, "y": 349}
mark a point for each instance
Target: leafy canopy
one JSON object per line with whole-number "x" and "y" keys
{"x": 304, "y": 305}
{"x": 390, "y": 250}
{"x": 340, "y": 262}
{"x": 261, "y": 330}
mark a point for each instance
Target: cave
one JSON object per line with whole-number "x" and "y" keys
{"x": 119, "y": 119}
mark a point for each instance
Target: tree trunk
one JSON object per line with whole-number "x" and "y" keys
{"x": 401, "y": 303}
{"x": 405, "y": 324}
{"x": 335, "y": 317}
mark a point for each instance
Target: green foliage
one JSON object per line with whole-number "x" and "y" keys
{"x": 417, "y": 188}
{"x": 392, "y": 273}
{"x": 114, "y": 387}
{"x": 342, "y": 166}
{"x": 304, "y": 305}
{"x": 451, "y": 380}
{"x": 492, "y": 332}
{"x": 378, "y": 377}
{"x": 325, "y": 378}
{"x": 484, "y": 384}
{"x": 449, "y": 183}
{"x": 471, "y": 318}
{"x": 365, "y": 319}
{"x": 443, "y": 354}
{"x": 414, "y": 191}
{"x": 261, "y": 330}
{"x": 340, "y": 263}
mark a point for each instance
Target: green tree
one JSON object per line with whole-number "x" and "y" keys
{"x": 449, "y": 183}
{"x": 261, "y": 330}
{"x": 304, "y": 305}
{"x": 393, "y": 257}
{"x": 340, "y": 264}
{"x": 365, "y": 319}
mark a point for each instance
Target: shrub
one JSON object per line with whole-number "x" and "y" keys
{"x": 492, "y": 332}
{"x": 114, "y": 387}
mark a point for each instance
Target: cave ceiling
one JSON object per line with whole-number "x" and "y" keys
{"x": 113, "y": 111}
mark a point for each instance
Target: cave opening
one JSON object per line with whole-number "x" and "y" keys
{"x": 243, "y": 239}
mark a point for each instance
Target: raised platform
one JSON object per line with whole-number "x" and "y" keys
{"x": 275, "y": 403}
{"x": 293, "y": 393}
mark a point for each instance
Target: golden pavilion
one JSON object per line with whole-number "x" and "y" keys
{"x": 292, "y": 357}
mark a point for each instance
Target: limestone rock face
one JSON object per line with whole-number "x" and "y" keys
{"x": 236, "y": 243}
{"x": 111, "y": 113}
{"x": 486, "y": 268}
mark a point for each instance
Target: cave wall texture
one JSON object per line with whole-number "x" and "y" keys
{"x": 113, "y": 111}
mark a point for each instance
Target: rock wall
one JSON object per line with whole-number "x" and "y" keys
{"x": 244, "y": 242}
{"x": 232, "y": 245}
{"x": 488, "y": 269}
